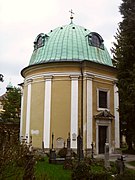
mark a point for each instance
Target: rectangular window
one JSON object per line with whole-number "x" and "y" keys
{"x": 103, "y": 99}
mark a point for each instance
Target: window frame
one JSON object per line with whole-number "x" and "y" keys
{"x": 108, "y": 99}
{"x": 40, "y": 41}
{"x": 91, "y": 40}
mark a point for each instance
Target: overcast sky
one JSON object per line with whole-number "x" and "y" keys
{"x": 22, "y": 20}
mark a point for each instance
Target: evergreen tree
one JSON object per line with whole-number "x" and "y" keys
{"x": 1, "y": 78}
{"x": 124, "y": 58}
{"x": 11, "y": 105}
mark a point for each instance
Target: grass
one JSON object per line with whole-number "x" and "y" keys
{"x": 44, "y": 170}
{"x": 12, "y": 173}
{"x": 132, "y": 163}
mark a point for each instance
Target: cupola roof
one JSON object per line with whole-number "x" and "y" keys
{"x": 70, "y": 43}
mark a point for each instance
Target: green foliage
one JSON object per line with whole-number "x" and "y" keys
{"x": 132, "y": 163}
{"x": 124, "y": 58}
{"x": 16, "y": 162}
{"x": 91, "y": 170}
{"x": 126, "y": 176}
{"x": 11, "y": 105}
{"x": 1, "y": 78}
{"x": 81, "y": 171}
{"x": 62, "y": 152}
{"x": 68, "y": 164}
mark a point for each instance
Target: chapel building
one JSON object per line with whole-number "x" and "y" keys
{"x": 70, "y": 86}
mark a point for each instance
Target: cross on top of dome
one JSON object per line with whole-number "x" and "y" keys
{"x": 71, "y": 17}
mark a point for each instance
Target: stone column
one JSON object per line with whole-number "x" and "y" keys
{"x": 74, "y": 111}
{"x": 116, "y": 114}
{"x": 47, "y": 111}
{"x": 27, "y": 135}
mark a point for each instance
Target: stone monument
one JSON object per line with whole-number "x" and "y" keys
{"x": 79, "y": 147}
{"x": 52, "y": 157}
{"x": 107, "y": 163}
{"x": 68, "y": 155}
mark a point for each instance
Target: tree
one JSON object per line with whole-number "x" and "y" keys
{"x": 124, "y": 58}
{"x": 1, "y": 78}
{"x": 11, "y": 105}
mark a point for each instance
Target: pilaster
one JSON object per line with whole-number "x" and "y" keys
{"x": 47, "y": 111}
{"x": 74, "y": 111}
{"x": 27, "y": 135}
{"x": 116, "y": 114}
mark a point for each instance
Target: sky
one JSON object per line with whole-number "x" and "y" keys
{"x": 22, "y": 20}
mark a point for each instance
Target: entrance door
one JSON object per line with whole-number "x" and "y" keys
{"x": 102, "y": 136}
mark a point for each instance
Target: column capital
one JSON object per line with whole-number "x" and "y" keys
{"x": 74, "y": 77}
{"x": 29, "y": 81}
{"x": 48, "y": 77}
{"x": 115, "y": 82}
{"x": 88, "y": 76}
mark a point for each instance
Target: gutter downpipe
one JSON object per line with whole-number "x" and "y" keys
{"x": 81, "y": 132}
{"x": 81, "y": 100}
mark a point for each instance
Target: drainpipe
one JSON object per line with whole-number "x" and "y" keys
{"x": 81, "y": 68}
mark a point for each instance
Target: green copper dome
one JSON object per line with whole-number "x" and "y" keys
{"x": 70, "y": 43}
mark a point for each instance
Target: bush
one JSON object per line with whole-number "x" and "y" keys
{"x": 90, "y": 169}
{"x": 125, "y": 176}
{"x": 62, "y": 152}
{"x": 68, "y": 164}
{"x": 81, "y": 171}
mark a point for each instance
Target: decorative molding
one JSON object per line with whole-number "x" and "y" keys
{"x": 103, "y": 123}
{"x": 109, "y": 78}
{"x": 28, "y": 81}
{"x": 54, "y": 74}
{"x": 48, "y": 77}
{"x": 87, "y": 74}
{"x": 106, "y": 115}
{"x": 34, "y": 132}
{"x": 74, "y": 77}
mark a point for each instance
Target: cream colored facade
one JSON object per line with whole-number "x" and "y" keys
{"x": 61, "y": 98}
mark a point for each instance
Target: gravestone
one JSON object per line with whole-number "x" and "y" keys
{"x": 80, "y": 147}
{"x": 68, "y": 155}
{"x": 43, "y": 146}
{"x": 107, "y": 163}
{"x": 120, "y": 165}
{"x": 52, "y": 157}
{"x": 59, "y": 143}
{"x": 92, "y": 153}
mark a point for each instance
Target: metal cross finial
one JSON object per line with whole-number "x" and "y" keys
{"x": 71, "y": 17}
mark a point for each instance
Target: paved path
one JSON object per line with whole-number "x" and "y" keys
{"x": 128, "y": 158}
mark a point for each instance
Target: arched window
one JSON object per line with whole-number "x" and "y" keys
{"x": 95, "y": 40}
{"x": 40, "y": 40}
